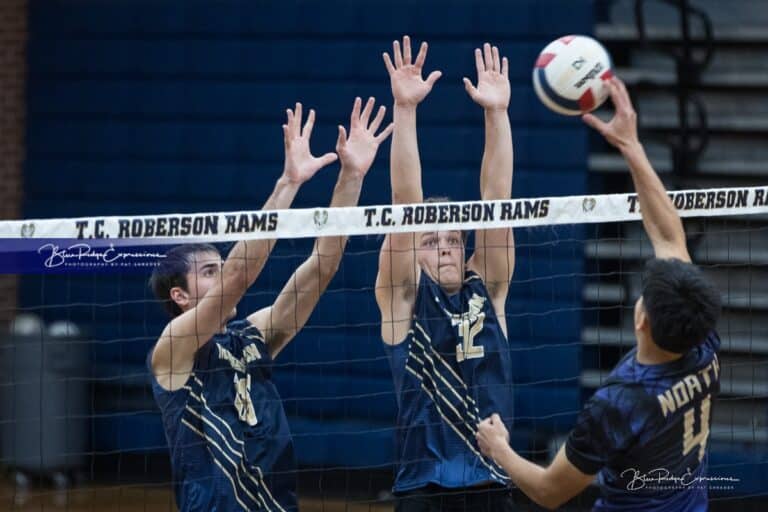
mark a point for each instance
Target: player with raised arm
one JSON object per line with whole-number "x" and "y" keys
{"x": 231, "y": 448}
{"x": 645, "y": 430}
{"x": 443, "y": 319}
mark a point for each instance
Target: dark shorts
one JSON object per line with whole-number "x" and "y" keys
{"x": 433, "y": 498}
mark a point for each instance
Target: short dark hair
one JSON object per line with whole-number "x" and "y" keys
{"x": 682, "y": 304}
{"x": 172, "y": 271}
{"x": 446, "y": 199}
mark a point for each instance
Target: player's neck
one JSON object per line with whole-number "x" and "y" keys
{"x": 649, "y": 353}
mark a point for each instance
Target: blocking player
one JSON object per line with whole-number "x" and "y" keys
{"x": 443, "y": 319}
{"x": 231, "y": 448}
{"x": 645, "y": 430}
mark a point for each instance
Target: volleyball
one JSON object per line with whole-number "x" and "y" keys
{"x": 569, "y": 75}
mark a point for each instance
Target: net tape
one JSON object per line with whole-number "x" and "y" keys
{"x": 382, "y": 219}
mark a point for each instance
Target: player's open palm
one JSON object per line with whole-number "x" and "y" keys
{"x": 408, "y": 87}
{"x": 300, "y": 164}
{"x": 357, "y": 150}
{"x": 621, "y": 130}
{"x": 492, "y": 91}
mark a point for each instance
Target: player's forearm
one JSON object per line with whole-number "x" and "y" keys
{"x": 529, "y": 477}
{"x": 496, "y": 169}
{"x": 660, "y": 218}
{"x": 405, "y": 165}
{"x": 329, "y": 249}
{"x": 248, "y": 257}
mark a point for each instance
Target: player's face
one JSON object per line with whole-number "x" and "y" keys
{"x": 204, "y": 273}
{"x": 441, "y": 256}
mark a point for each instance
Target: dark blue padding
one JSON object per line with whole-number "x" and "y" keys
{"x": 526, "y": 19}
{"x": 222, "y": 142}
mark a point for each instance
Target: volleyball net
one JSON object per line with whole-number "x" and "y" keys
{"x": 75, "y": 387}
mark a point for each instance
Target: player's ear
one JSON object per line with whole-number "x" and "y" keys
{"x": 641, "y": 317}
{"x": 180, "y": 297}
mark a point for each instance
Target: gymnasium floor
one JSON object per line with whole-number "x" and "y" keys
{"x": 128, "y": 498}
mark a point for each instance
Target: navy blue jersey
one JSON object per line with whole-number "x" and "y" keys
{"x": 231, "y": 448}
{"x": 645, "y": 431}
{"x": 451, "y": 371}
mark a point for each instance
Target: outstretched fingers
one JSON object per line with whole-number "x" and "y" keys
{"x": 488, "y": 57}
{"x": 385, "y": 133}
{"x": 354, "y": 118}
{"x": 479, "y": 64}
{"x": 471, "y": 90}
{"x": 307, "y": 132}
{"x": 406, "y": 50}
{"x": 341, "y": 140}
{"x": 397, "y": 54}
{"x": 378, "y": 119}
{"x": 365, "y": 116}
{"x": 388, "y": 63}
{"x": 422, "y": 55}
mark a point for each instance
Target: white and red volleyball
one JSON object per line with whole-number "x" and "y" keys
{"x": 569, "y": 75}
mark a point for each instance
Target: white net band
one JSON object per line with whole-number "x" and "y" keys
{"x": 382, "y": 219}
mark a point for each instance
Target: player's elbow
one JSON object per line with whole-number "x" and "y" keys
{"x": 548, "y": 500}
{"x": 549, "y": 495}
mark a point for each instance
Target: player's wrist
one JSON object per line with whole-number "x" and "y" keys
{"x": 406, "y": 105}
{"x": 632, "y": 147}
{"x": 287, "y": 182}
{"x": 351, "y": 175}
{"x": 496, "y": 109}
{"x": 501, "y": 452}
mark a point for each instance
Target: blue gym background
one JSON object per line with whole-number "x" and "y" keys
{"x": 139, "y": 107}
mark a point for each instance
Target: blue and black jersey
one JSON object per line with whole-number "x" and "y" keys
{"x": 231, "y": 448}
{"x": 645, "y": 432}
{"x": 451, "y": 371}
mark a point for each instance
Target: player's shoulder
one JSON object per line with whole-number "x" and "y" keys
{"x": 623, "y": 396}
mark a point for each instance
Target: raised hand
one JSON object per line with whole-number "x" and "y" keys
{"x": 358, "y": 150}
{"x": 621, "y": 130}
{"x": 408, "y": 88}
{"x": 492, "y": 91}
{"x": 300, "y": 165}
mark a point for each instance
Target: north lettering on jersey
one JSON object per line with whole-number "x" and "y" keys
{"x": 689, "y": 388}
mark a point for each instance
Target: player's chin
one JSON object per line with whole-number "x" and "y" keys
{"x": 448, "y": 277}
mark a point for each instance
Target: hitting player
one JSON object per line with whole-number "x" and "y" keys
{"x": 231, "y": 448}
{"x": 443, "y": 319}
{"x": 645, "y": 430}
